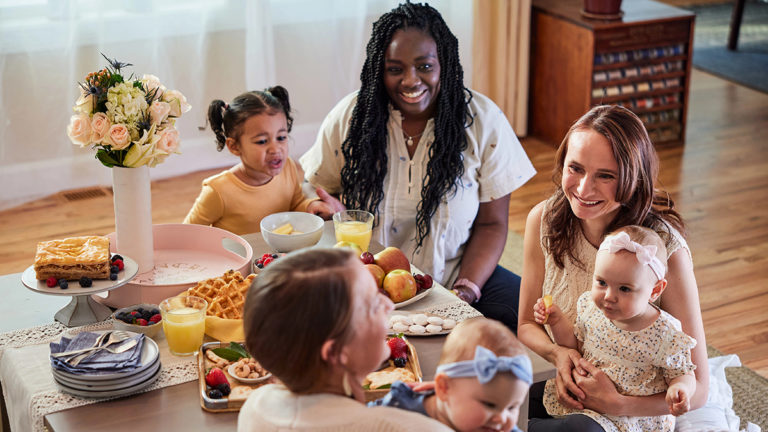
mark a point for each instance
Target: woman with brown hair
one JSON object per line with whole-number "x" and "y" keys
{"x": 317, "y": 321}
{"x": 606, "y": 173}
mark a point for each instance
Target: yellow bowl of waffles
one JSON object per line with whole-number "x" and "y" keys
{"x": 226, "y": 297}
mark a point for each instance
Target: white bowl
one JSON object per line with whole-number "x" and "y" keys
{"x": 150, "y": 330}
{"x": 311, "y": 227}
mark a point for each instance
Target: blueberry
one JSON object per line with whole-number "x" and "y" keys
{"x": 113, "y": 276}
{"x": 223, "y": 388}
{"x": 85, "y": 282}
{"x": 274, "y": 255}
{"x": 63, "y": 284}
{"x": 114, "y": 269}
{"x": 215, "y": 394}
{"x": 260, "y": 265}
{"x": 400, "y": 362}
{"x": 116, "y": 257}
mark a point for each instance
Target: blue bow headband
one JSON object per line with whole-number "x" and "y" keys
{"x": 486, "y": 365}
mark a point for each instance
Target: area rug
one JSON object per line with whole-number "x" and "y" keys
{"x": 750, "y": 390}
{"x": 748, "y": 64}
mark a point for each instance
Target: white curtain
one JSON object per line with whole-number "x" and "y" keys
{"x": 207, "y": 49}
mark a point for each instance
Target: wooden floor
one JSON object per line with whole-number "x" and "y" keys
{"x": 719, "y": 179}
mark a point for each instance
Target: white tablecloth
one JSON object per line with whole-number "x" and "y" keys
{"x": 29, "y": 389}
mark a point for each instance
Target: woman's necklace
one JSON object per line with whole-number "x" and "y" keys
{"x": 409, "y": 138}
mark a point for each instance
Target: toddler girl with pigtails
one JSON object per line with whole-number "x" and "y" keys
{"x": 254, "y": 127}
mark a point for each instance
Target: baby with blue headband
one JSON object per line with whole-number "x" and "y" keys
{"x": 481, "y": 381}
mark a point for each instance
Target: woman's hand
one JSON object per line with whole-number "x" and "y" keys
{"x": 327, "y": 206}
{"x": 566, "y": 360}
{"x": 600, "y": 393}
{"x": 464, "y": 293}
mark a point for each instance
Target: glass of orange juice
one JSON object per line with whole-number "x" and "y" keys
{"x": 353, "y": 226}
{"x": 184, "y": 323}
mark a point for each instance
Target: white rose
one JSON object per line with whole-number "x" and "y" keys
{"x": 118, "y": 137}
{"x": 152, "y": 83}
{"x": 159, "y": 111}
{"x": 143, "y": 152}
{"x": 169, "y": 140}
{"x": 99, "y": 127}
{"x": 79, "y": 129}
{"x": 84, "y": 103}
{"x": 177, "y": 102}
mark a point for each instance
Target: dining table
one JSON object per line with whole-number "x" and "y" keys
{"x": 31, "y": 401}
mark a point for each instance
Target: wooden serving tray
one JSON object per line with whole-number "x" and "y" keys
{"x": 412, "y": 364}
{"x": 240, "y": 391}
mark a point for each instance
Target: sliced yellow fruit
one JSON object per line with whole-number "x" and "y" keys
{"x": 547, "y": 300}
{"x": 283, "y": 229}
{"x": 296, "y": 232}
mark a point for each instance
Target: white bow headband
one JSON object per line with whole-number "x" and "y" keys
{"x": 644, "y": 254}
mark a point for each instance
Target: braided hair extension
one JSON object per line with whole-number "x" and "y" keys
{"x": 226, "y": 120}
{"x": 364, "y": 149}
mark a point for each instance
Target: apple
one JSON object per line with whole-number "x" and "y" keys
{"x": 400, "y": 285}
{"x": 377, "y": 273}
{"x": 392, "y": 258}
{"x": 347, "y": 244}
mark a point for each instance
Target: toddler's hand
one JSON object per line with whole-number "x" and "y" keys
{"x": 546, "y": 314}
{"x": 678, "y": 401}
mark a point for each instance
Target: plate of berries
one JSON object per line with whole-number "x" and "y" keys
{"x": 141, "y": 318}
{"x": 122, "y": 270}
{"x": 265, "y": 260}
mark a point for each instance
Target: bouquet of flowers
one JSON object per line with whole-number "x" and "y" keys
{"x": 130, "y": 122}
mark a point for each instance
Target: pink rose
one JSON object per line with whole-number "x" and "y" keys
{"x": 118, "y": 137}
{"x": 79, "y": 129}
{"x": 169, "y": 140}
{"x": 158, "y": 111}
{"x": 100, "y": 125}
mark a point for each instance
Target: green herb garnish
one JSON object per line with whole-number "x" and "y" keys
{"x": 233, "y": 352}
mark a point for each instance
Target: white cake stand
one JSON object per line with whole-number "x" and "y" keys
{"x": 82, "y": 309}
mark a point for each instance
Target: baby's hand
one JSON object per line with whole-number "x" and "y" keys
{"x": 677, "y": 399}
{"x": 544, "y": 312}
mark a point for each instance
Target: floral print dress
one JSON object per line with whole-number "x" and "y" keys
{"x": 638, "y": 362}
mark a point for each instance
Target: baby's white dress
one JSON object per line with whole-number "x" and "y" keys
{"x": 636, "y": 361}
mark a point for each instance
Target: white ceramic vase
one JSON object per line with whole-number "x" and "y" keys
{"x": 133, "y": 215}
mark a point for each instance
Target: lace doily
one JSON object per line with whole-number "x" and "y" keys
{"x": 457, "y": 311}
{"x": 175, "y": 370}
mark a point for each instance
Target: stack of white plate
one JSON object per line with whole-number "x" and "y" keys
{"x": 113, "y": 384}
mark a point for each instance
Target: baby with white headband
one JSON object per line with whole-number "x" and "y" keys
{"x": 481, "y": 381}
{"x": 619, "y": 330}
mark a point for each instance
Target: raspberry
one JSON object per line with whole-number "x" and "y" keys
{"x": 216, "y": 376}
{"x": 141, "y": 322}
{"x": 134, "y": 313}
{"x": 51, "y": 282}
{"x": 268, "y": 260}
{"x": 266, "y": 255}
{"x": 119, "y": 263}
{"x": 63, "y": 284}
{"x": 85, "y": 282}
{"x": 156, "y": 318}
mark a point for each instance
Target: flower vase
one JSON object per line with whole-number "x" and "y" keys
{"x": 133, "y": 215}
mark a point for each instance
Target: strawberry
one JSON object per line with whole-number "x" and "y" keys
{"x": 216, "y": 377}
{"x": 397, "y": 347}
{"x": 156, "y": 318}
{"x": 141, "y": 322}
{"x": 267, "y": 261}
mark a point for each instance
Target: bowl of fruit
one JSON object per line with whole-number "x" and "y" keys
{"x": 289, "y": 231}
{"x": 140, "y": 318}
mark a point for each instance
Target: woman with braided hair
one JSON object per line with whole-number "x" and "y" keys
{"x": 433, "y": 160}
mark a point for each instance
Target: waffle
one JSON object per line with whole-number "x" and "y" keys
{"x": 225, "y": 294}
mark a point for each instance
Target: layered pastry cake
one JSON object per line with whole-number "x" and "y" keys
{"x": 72, "y": 258}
